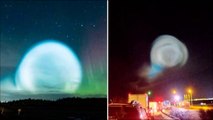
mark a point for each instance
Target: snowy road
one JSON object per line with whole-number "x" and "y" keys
{"x": 184, "y": 114}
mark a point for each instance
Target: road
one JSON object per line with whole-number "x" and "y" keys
{"x": 177, "y": 113}
{"x": 192, "y": 113}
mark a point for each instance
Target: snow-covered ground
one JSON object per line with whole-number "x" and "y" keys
{"x": 183, "y": 114}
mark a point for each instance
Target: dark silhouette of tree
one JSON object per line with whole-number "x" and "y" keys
{"x": 64, "y": 108}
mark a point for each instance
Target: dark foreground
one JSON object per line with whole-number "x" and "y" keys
{"x": 63, "y": 109}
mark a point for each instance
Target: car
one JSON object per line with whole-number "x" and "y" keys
{"x": 126, "y": 111}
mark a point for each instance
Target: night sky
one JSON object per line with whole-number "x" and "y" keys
{"x": 80, "y": 25}
{"x": 132, "y": 29}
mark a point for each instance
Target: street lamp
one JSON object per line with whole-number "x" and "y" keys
{"x": 149, "y": 92}
{"x": 189, "y": 91}
{"x": 190, "y": 94}
{"x": 174, "y": 91}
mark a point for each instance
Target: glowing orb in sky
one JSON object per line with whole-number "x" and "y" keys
{"x": 49, "y": 67}
{"x": 168, "y": 51}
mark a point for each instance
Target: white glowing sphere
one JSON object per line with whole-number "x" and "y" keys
{"x": 49, "y": 67}
{"x": 168, "y": 51}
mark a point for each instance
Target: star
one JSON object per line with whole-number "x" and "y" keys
{"x": 67, "y": 36}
